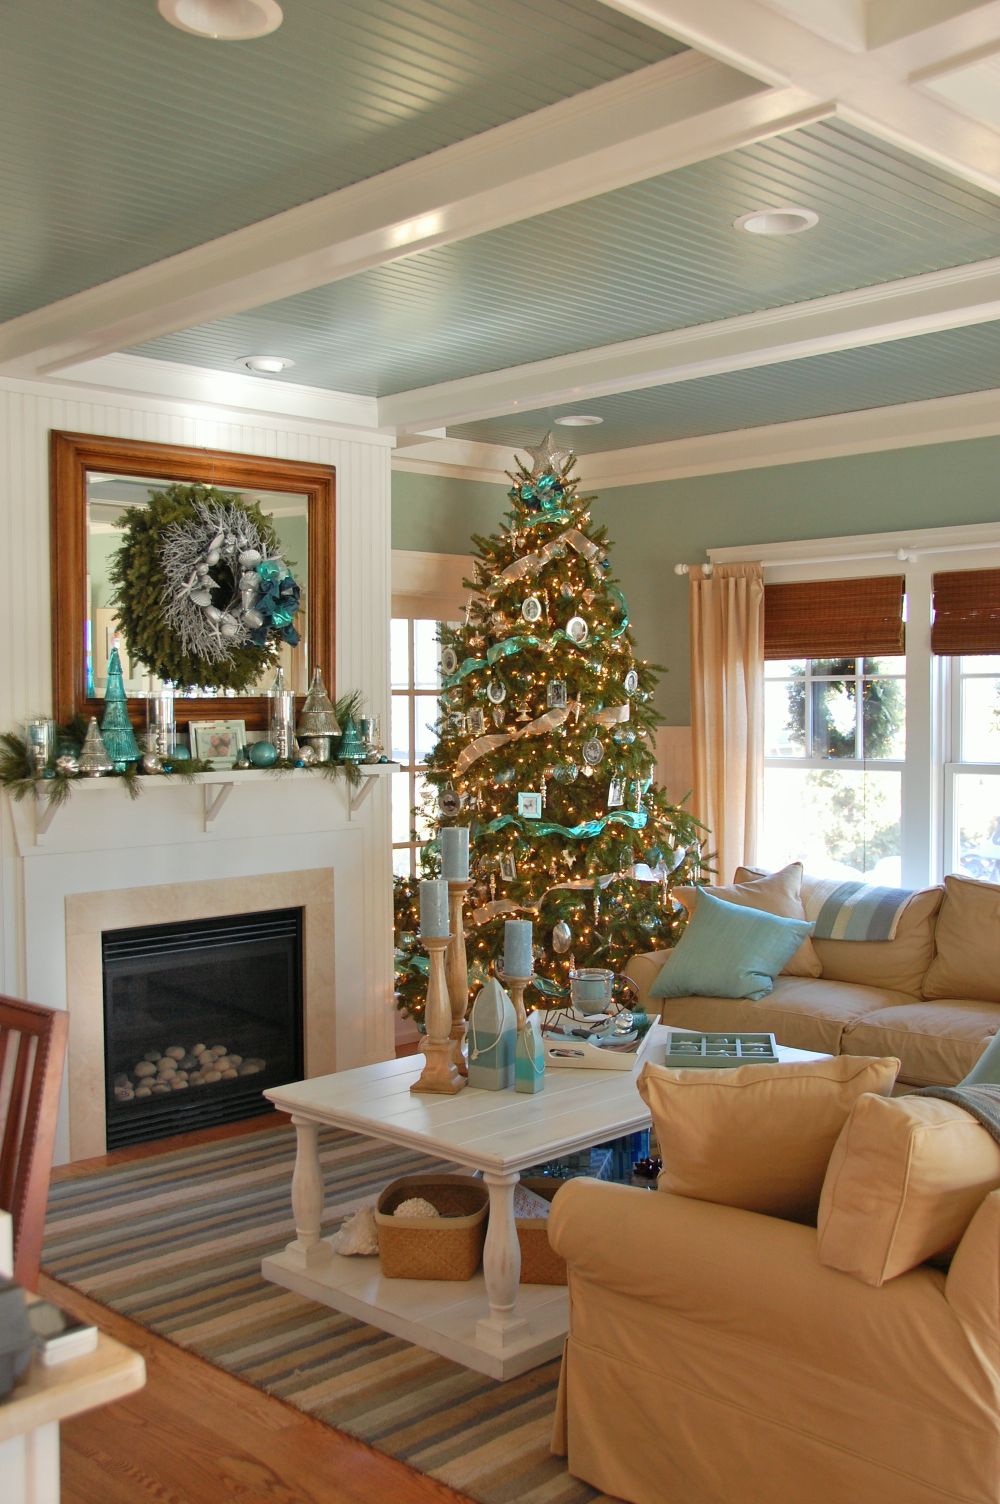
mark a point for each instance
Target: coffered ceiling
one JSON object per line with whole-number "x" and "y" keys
{"x": 463, "y": 220}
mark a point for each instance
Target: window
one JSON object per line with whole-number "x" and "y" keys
{"x": 834, "y": 750}
{"x": 416, "y": 689}
{"x": 884, "y": 761}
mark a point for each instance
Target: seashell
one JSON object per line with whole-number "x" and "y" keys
{"x": 249, "y": 557}
{"x": 358, "y": 1235}
{"x": 217, "y": 541}
{"x": 214, "y": 614}
{"x": 202, "y": 569}
{"x": 212, "y": 557}
{"x": 202, "y": 597}
{"x": 228, "y": 626}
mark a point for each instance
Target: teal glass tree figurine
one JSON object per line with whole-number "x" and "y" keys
{"x": 352, "y": 743}
{"x": 116, "y": 728}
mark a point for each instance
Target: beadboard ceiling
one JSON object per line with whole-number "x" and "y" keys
{"x": 461, "y": 221}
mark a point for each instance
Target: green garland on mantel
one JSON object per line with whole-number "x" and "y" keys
{"x": 19, "y": 778}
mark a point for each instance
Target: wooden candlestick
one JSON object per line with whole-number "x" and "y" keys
{"x": 457, "y": 972}
{"x": 515, "y": 986}
{"x": 440, "y": 1073}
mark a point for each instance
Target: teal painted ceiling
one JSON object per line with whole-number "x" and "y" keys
{"x": 126, "y": 141}
{"x": 904, "y": 370}
{"x": 659, "y": 255}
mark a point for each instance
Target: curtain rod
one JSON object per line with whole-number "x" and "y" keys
{"x": 903, "y": 555}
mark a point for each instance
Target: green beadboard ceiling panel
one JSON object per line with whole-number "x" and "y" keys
{"x": 904, "y": 370}
{"x": 655, "y": 256}
{"x": 126, "y": 140}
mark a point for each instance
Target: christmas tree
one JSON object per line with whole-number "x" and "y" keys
{"x": 116, "y": 728}
{"x": 544, "y": 751}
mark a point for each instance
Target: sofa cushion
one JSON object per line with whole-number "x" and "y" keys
{"x": 728, "y": 950}
{"x": 967, "y": 942}
{"x": 905, "y": 1179}
{"x": 900, "y": 963}
{"x": 756, "y": 1136}
{"x": 776, "y": 893}
{"x": 809, "y": 1013}
{"x": 937, "y": 1042}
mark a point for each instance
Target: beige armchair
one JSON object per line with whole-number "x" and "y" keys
{"x": 712, "y": 1359}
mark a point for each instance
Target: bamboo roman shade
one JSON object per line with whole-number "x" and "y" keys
{"x": 966, "y": 612}
{"x": 834, "y": 618}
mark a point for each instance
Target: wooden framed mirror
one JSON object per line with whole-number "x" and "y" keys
{"x": 93, "y": 479}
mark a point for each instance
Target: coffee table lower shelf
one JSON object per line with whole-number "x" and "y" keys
{"x": 437, "y": 1314}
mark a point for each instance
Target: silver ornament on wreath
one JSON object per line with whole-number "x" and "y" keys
{"x": 68, "y": 764}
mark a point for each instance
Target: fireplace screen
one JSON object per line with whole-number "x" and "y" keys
{"x": 199, "y": 1018}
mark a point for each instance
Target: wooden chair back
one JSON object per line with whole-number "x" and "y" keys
{"x": 32, "y": 1051}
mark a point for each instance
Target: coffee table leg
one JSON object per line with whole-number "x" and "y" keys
{"x": 501, "y": 1266}
{"x": 307, "y": 1197}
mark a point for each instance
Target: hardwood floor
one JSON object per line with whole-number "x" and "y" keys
{"x": 196, "y": 1435}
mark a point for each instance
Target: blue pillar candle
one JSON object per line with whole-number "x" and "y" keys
{"x": 517, "y": 948}
{"x": 455, "y": 853}
{"x": 434, "y": 907}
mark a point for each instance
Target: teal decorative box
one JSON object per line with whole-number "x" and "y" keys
{"x": 717, "y": 1051}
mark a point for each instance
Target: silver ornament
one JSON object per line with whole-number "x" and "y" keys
{"x": 151, "y": 763}
{"x": 68, "y": 764}
{"x": 562, "y": 937}
{"x": 228, "y": 626}
{"x": 307, "y": 755}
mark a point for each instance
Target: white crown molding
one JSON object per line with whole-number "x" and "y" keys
{"x": 137, "y": 374}
{"x": 940, "y": 420}
{"x": 675, "y": 112}
{"x": 954, "y": 298}
{"x": 178, "y": 397}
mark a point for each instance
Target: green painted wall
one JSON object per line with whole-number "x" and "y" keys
{"x": 654, "y": 527}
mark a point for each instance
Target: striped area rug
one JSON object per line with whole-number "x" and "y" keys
{"x": 175, "y": 1242}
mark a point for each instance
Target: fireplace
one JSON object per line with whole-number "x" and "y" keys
{"x": 199, "y": 1017}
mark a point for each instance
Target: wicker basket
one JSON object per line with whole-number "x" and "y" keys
{"x": 540, "y": 1264}
{"x": 449, "y": 1246}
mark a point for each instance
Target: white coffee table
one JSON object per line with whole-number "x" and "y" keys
{"x": 488, "y": 1323}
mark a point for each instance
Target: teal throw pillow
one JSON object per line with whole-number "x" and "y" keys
{"x": 728, "y": 950}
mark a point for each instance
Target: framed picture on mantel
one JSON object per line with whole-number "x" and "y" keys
{"x": 218, "y": 742}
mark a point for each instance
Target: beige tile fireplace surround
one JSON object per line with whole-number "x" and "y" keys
{"x": 105, "y": 863}
{"x": 88, "y": 915}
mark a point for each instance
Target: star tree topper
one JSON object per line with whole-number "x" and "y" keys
{"x": 546, "y": 458}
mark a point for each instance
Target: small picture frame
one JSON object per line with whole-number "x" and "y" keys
{"x": 508, "y": 868}
{"x": 455, "y": 723}
{"x": 577, "y": 629}
{"x": 496, "y": 691}
{"x": 529, "y": 806}
{"x": 475, "y": 722}
{"x": 449, "y": 662}
{"x": 616, "y": 793}
{"x": 631, "y": 682}
{"x": 531, "y": 608}
{"x": 218, "y": 743}
{"x": 555, "y": 696}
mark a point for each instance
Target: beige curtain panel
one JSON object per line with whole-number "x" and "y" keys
{"x": 727, "y": 709}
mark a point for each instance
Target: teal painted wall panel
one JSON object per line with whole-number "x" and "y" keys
{"x": 654, "y": 527}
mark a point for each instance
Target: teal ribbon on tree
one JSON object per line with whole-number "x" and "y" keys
{"x": 634, "y": 819}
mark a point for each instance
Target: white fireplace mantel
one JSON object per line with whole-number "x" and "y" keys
{"x": 223, "y": 842}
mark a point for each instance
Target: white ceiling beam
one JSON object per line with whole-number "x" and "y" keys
{"x": 940, "y": 420}
{"x": 679, "y": 111}
{"x": 872, "y": 89}
{"x": 950, "y": 299}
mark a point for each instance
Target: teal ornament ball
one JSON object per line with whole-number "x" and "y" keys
{"x": 181, "y": 754}
{"x": 263, "y": 754}
{"x": 48, "y": 772}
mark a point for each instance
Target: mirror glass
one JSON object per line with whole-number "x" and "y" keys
{"x": 108, "y": 497}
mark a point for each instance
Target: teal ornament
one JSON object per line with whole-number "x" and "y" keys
{"x": 48, "y": 772}
{"x": 299, "y": 762}
{"x": 624, "y": 736}
{"x": 181, "y": 754}
{"x": 168, "y": 767}
{"x": 263, "y": 754}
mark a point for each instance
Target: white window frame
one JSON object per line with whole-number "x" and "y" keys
{"x": 918, "y": 554}
{"x": 425, "y": 587}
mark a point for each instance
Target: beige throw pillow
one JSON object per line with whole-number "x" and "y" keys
{"x": 967, "y": 938}
{"x": 774, "y": 893}
{"x": 757, "y": 1136}
{"x": 905, "y": 1179}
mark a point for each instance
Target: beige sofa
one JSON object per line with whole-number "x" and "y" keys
{"x": 930, "y": 996}
{"x": 719, "y": 1362}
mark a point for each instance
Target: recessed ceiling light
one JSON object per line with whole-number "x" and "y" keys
{"x": 266, "y": 365}
{"x": 783, "y": 221}
{"x": 578, "y": 420}
{"x": 223, "y": 20}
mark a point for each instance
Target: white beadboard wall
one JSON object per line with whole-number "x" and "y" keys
{"x": 28, "y": 411}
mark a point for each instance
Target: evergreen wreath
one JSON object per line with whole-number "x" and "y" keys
{"x": 202, "y": 593}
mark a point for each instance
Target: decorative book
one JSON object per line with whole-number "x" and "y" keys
{"x": 717, "y": 1051}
